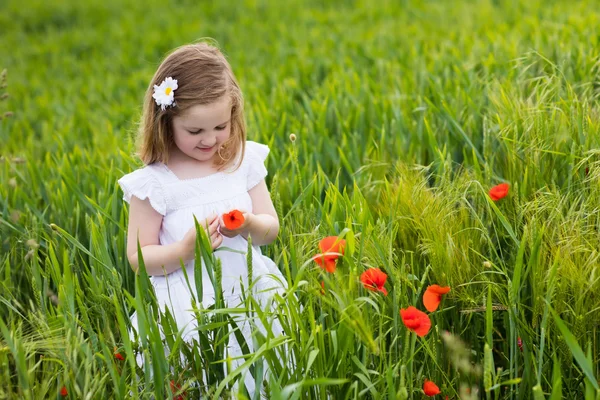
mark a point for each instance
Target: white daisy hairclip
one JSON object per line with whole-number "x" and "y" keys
{"x": 164, "y": 94}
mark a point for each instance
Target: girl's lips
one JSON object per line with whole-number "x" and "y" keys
{"x": 206, "y": 149}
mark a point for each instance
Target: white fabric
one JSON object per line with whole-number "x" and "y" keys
{"x": 179, "y": 200}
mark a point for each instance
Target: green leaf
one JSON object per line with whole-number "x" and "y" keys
{"x": 578, "y": 354}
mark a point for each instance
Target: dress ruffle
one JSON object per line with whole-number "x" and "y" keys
{"x": 143, "y": 184}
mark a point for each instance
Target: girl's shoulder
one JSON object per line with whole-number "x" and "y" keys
{"x": 254, "y": 158}
{"x": 256, "y": 151}
{"x": 146, "y": 172}
{"x": 255, "y": 148}
{"x": 145, "y": 183}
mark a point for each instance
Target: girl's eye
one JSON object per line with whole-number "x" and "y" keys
{"x": 219, "y": 128}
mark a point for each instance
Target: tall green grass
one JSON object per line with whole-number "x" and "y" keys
{"x": 405, "y": 113}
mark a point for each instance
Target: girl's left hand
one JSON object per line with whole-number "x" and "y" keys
{"x": 232, "y": 233}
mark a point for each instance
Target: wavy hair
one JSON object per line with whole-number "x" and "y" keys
{"x": 203, "y": 77}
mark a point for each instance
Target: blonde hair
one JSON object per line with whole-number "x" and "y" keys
{"x": 203, "y": 77}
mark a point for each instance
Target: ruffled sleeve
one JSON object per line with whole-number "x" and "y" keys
{"x": 256, "y": 154}
{"x": 143, "y": 184}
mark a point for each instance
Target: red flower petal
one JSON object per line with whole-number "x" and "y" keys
{"x": 499, "y": 191}
{"x": 326, "y": 262}
{"x": 332, "y": 244}
{"x": 433, "y": 296}
{"x": 330, "y": 266}
{"x": 374, "y": 279}
{"x": 412, "y": 324}
{"x": 425, "y": 325}
{"x": 233, "y": 220}
{"x": 416, "y": 320}
{"x": 175, "y": 388}
{"x": 63, "y": 391}
{"x": 431, "y": 300}
{"x": 439, "y": 289}
{"x": 118, "y": 355}
{"x": 430, "y": 388}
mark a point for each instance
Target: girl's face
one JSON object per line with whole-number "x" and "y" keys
{"x": 200, "y": 131}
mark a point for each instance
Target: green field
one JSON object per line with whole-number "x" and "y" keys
{"x": 406, "y": 114}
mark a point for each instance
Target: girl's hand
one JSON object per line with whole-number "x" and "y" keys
{"x": 234, "y": 232}
{"x": 188, "y": 243}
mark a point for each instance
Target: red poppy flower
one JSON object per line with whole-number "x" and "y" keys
{"x": 374, "y": 279}
{"x": 430, "y": 388}
{"x": 433, "y": 296}
{"x": 330, "y": 244}
{"x": 499, "y": 191}
{"x": 415, "y": 320}
{"x": 233, "y": 219}
{"x": 118, "y": 355}
{"x": 174, "y": 389}
{"x": 63, "y": 391}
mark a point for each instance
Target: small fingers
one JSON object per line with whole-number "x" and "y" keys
{"x": 217, "y": 242}
{"x": 206, "y": 222}
{"x": 214, "y": 225}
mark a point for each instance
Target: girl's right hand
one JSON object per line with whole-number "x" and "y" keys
{"x": 189, "y": 240}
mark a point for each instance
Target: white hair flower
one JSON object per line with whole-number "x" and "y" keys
{"x": 164, "y": 94}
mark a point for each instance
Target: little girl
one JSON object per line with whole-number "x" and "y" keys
{"x": 198, "y": 163}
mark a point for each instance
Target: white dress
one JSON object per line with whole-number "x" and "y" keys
{"x": 178, "y": 200}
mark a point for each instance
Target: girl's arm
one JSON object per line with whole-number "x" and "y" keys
{"x": 263, "y": 225}
{"x": 144, "y": 224}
